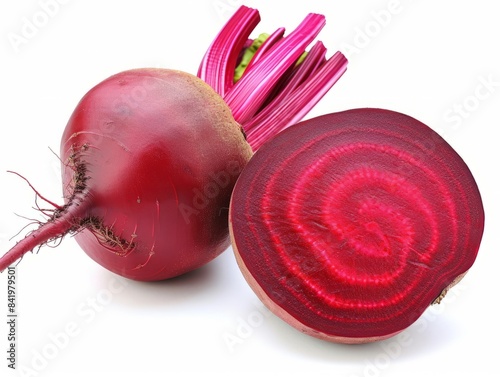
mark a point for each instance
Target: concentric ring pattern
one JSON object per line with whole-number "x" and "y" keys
{"x": 354, "y": 223}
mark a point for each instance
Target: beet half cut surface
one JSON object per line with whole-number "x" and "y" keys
{"x": 349, "y": 225}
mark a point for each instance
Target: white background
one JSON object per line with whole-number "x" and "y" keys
{"x": 425, "y": 60}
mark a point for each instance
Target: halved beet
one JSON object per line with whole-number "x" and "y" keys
{"x": 349, "y": 225}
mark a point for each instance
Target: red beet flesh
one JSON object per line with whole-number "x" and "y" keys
{"x": 349, "y": 225}
{"x": 150, "y": 157}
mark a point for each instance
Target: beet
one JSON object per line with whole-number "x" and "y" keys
{"x": 149, "y": 158}
{"x": 349, "y": 225}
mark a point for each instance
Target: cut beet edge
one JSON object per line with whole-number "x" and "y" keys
{"x": 349, "y": 225}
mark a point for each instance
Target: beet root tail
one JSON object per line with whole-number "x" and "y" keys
{"x": 66, "y": 220}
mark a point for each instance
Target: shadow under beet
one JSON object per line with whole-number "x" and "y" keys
{"x": 193, "y": 288}
{"x": 426, "y": 336}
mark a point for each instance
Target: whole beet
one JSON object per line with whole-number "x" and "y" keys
{"x": 150, "y": 157}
